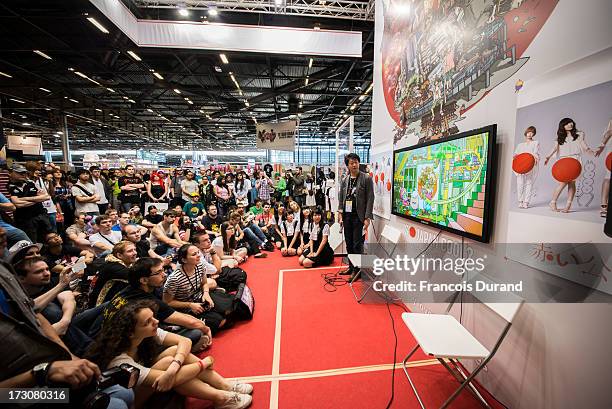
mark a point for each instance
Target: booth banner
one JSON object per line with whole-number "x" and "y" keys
{"x": 381, "y": 170}
{"x": 279, "y": 136}
{"x": 29, "y": 145}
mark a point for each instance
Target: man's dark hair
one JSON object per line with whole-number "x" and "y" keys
{"x": 169, "y": 212}
{"x": 22, "y": 267}
{"x": 195, "y": 239}
{"x": 258, "y": 200}
{"x": 151, "y": 208}
{"x": 101, "y": 218}
{"x": 212, "y": 204}
{"x": 351, "y": 156}
{"x": 142, "y": 268}
{"x": 82, "y": 171}
{"x": 92, "y": 168}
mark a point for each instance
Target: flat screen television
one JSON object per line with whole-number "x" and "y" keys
{"x": 448, "y": 183}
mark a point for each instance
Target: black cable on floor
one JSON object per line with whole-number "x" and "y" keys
{"x": 332, "y": 281}
{"x": 394, "y": 357}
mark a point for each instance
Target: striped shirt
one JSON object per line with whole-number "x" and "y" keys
{"x": 185, "y": 288}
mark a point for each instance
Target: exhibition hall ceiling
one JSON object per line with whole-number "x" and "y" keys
{"x": 65, "y": 57}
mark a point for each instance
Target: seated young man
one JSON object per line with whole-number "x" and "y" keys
{"x": 145, "y": 276}
{"x": 58, "y": 255}
{"x": 212, "y": 221}
{"x": 104, "y": 240}
{"x": 113, "y": 274}
{"x": 124, "y": 221}
{"x": 165, "y": 235}
{"x": 55, "y": 301}
{"x": 76, "y": 233}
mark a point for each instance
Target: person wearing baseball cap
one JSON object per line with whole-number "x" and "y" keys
{"x": 30, "y": 215}
{"x": 21, "y": 250}
{"x": 194, "y": 208}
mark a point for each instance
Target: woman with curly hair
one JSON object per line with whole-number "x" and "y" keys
{"x": 163, "y": 358}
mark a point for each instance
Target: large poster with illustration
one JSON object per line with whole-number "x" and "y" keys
{"x": 440, "y": 58}
{"x": 562, "y": 156}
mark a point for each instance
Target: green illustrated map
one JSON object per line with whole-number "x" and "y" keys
{"x": 443, "y": 183}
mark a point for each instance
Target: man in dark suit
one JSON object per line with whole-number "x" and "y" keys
{"x": 356, "y": 200}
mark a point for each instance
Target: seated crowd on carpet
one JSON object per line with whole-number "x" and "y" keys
{"x": 89, "y": 281}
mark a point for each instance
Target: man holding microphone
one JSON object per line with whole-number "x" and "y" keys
{"x": 356, "y": 201}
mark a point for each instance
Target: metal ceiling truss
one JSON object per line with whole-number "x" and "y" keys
{"x": 351, "y": 10}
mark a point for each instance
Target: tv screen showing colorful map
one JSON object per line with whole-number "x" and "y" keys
{"x": 447, "y": 183}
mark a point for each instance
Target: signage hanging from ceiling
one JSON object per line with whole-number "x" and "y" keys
{"x": 278, "y": 136}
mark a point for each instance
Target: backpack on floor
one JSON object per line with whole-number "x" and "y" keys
{"x": 230, "y": 278}
{"x": 244, "y": 303}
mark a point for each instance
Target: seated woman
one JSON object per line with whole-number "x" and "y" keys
{"x": 319, "y": 252}
{"x": 279, "y": 216}
{"x": 187, "y": 290}
{"x": 290, "y": 232}
{"x": 163, "y": 359}
{"x": 226, "y": 246}
{"x": 305, "y": 226}
{"x": 245, "y": 236}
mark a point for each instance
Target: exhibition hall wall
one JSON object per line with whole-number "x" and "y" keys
{"x": 441, "y": 70}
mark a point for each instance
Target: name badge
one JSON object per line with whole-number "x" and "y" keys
{"x": 348, "y": 206}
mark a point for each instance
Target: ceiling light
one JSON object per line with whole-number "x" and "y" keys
{"x": 17, "y": 100}
{"x": 310, "y": 63}
{"x": 212, "y": 11}
{"x": 134, "y": 55}
{"x": 362, "y": 97}
{"x": 307, "y": 80}
{"x": 190, "y": 102}
{"x": 217, "y": 68}
{"x": 224, "y": 58}
{"x": 178, "y": 91}
{"x": 73, "y": 100}
{"x": 71, "y": 69}
{"x": 44, "y": 89}
{"x": 369, "y": 88}
{"x": 208, "y": 116}
{"x": 80, "y": 74}
{"x": 149, "y": 110}
{"x": 125, "y": 98}
{"x": 158, "y": 76}
{"x": 111, "y": 90}
{"x": 246, "y": 103}
{"x": 344, "y": 116}
{"x": 42, "y": 54}
{"x": 183, "y": 11}
{"x": 98, "y": 109}
{"x": 26, "y": 124}
{"x": 353, "y": 107}
{"x": 240, "y": 92}
{"x": 98, "y": 25}
{"x": 132, "y": 101}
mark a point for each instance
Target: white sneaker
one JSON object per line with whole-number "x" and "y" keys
{"x": 235, "y": 401}
{"x": 244, "y": 388}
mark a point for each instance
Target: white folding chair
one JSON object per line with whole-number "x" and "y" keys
{"x": 444, "y": 338}
{"x": 365, "y": 262}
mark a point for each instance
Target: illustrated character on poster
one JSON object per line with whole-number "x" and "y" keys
{"x": 440, "y": 58}
{"x": 605, "y": 186}
{"x": 525, "y": 166}
{"x": 569, "y": 146}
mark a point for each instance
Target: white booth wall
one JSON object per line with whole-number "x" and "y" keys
{"x": 556, "y": 355}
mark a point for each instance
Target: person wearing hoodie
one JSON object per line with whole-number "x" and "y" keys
{"x": 113, "y": 274}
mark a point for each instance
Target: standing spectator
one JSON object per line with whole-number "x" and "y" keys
{"x": 299, "y": 188}
{"x": 207, "y": 194}
{"x": 35, "y": 175}
{"x": 85, "y": 196}
{"x": 188, "y": 186}
{"x": 157, "y": 191}
{"x": 30, "y": 214}
{"x": 264, "y": 186}
{"x": 242, "y": 187}
{"x": 130, "y": 186}
{"x": 63, "y": 196}
{"x": 175, "y": 188}
{"x": 102, "y": 188}
{"x": 223, "y": 194}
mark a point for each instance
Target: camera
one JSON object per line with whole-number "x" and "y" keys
{"x": 206, "y": 305}
{"x": 92, "y": 397}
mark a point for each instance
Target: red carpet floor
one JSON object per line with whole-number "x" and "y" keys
{"x": 322, "y": 331}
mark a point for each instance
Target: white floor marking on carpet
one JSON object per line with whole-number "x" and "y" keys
{"x": 332, "y": 372}
{"x": 277, "y": 343}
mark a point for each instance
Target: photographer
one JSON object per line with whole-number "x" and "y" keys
{"x": 264, "y": 186}
{"x": 37, "y": 356}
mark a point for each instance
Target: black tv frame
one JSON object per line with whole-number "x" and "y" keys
{"x": 490, "y": 181}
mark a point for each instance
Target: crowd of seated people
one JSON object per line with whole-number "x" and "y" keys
{"x": 88, "y": 282}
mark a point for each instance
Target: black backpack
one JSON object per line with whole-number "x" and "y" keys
{"x": 244, "y": 303}
{"x": 230, "y": 278}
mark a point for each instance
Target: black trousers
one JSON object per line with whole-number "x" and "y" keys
{"x": 35, "y": 227}
{"x": 353, "y": 233}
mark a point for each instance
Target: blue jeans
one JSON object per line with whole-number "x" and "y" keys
{"x": 121, "y": 398}
{"x": 258, "y": 232}
{"x": 13, "y": 234}
{"x": 53, "y": 221}
{"x": 76, "y": 340}
{"x": 251, "y": 236}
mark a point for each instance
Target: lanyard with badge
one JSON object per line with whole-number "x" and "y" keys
{"x": 350, "y": 194}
